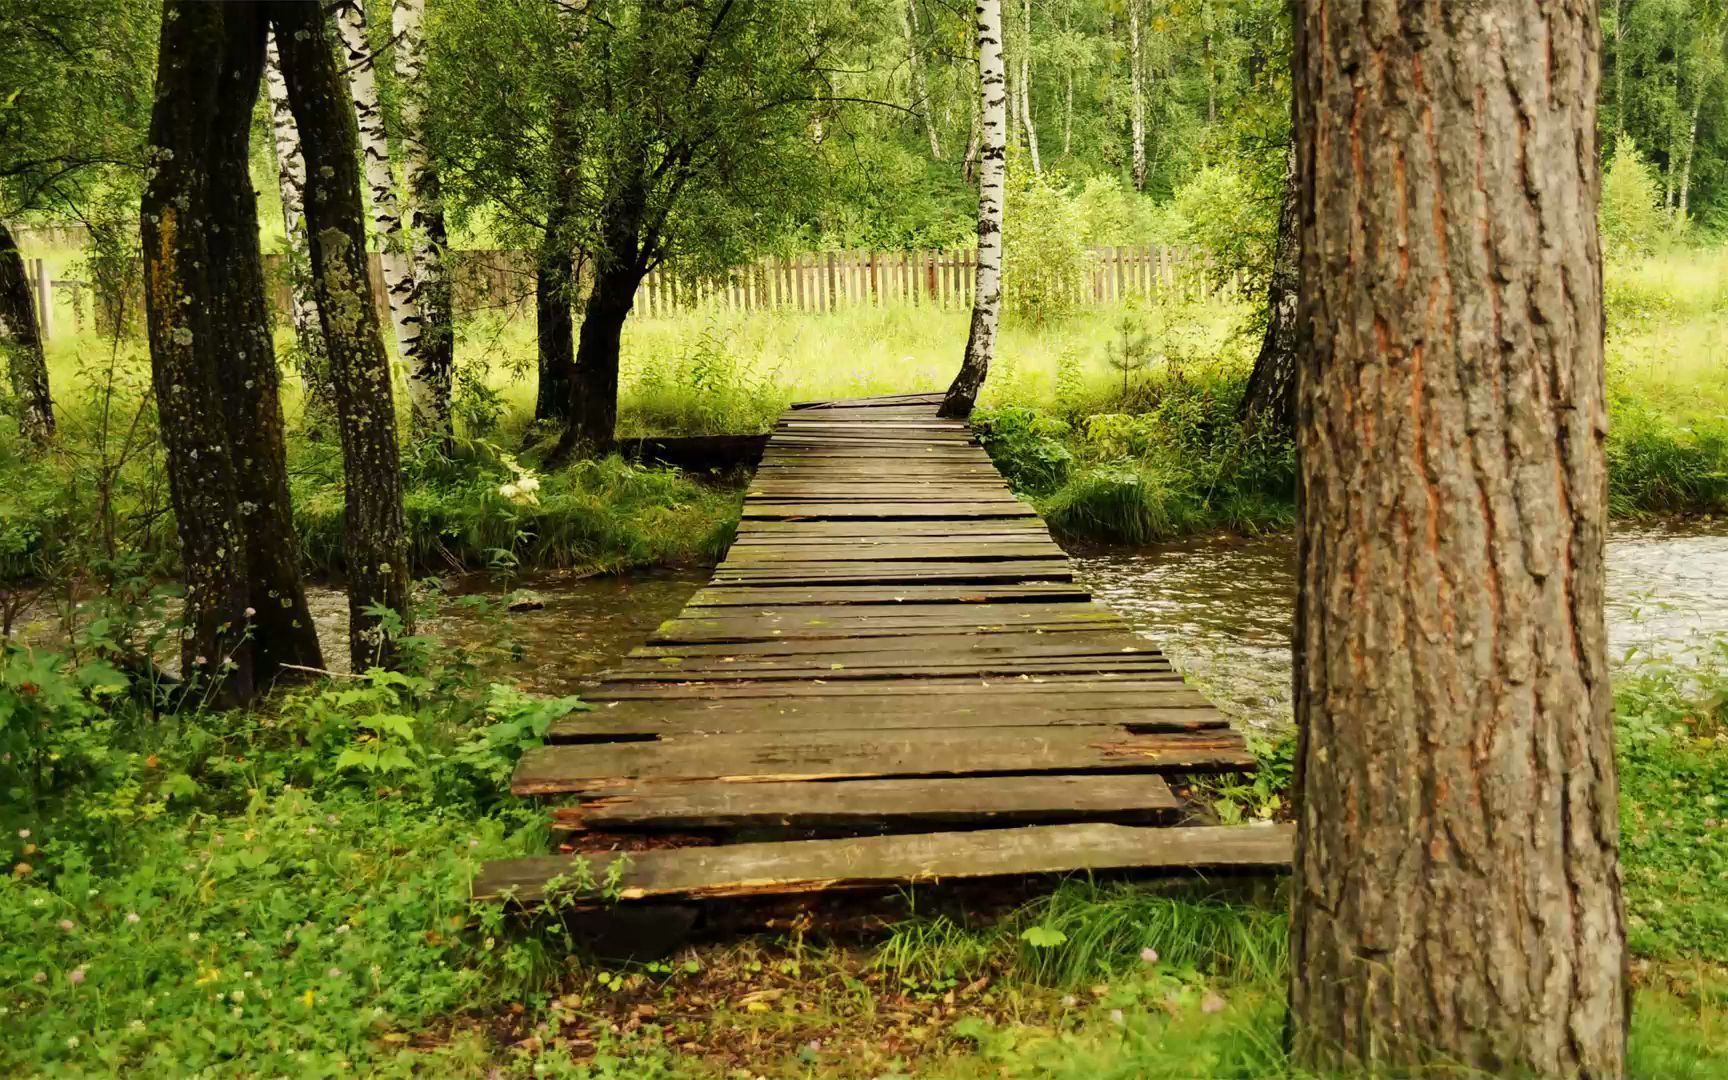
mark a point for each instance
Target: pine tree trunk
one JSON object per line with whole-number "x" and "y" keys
{"x": 393, "y": 258}
{"x": 434, "y": 364}
{"x": 992, "y": 182}
{"x": 374, "y": 531}
{"x": 280, "y": 622}
{"x": 21, "y": 344}
{"x": 1137, "y": 106}
{"x": 1269, "y": 402}
{"x": 291, "y": 181}
{"x": 1456, "y": 888}
{"x": 1025, "y": 96}
{"x": 920, "y": 84}
{"x": 211, "y": 361}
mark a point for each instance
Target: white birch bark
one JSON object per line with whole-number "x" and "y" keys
{"x": 1025, "y": 95}
{"x": 291, "y": 180}
{"x": 992, "y": 184}
{"x": 434, "y": 363}
{"x": 1137, "y": 107}
{"x": 920, "y": 84}
{"x": 381, "y": 187}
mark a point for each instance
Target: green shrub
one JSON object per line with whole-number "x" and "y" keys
{"x": 1044, "y": 256}
{"x": 1631, "y": 214}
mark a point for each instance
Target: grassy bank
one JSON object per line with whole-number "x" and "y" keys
{"x": 1118, "y": 423}
{"x": 284, "y": 891}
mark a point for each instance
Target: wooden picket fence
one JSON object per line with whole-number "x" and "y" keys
{"x": 829, "y": 281}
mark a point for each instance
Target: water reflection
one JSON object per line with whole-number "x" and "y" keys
{"x": 1221, "y": 607}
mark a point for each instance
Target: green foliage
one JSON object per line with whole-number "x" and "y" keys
{"x": 285, "y": 887}
{"x": 1044, "y": 256}
{"x": 75, "y": 97}
{"x": 1631, "y": 216}
{"x": 1162, "y": 459}
{"x": 1671, "y": 723}
{"x": 1234, "y": 226}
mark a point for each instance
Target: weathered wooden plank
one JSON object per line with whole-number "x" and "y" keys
{"x": 633, "y": 720}
{"x": 852, "y": 551}
{"x": 862, "y": 803}
{"x": 746, "y": 596}
{"x": 888, "y": 861}
{"x": 668, "y": 673}
{"x": 912, "y": 645}
{"x": 766, "y": 510}
{"x": 768, "y": 756}
{"x": 933, "y": 689}
{"x": 956, "y": 573}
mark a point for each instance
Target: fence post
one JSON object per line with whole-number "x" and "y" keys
{"x": 44, "y": 301}
{"x": 833, "y": 284}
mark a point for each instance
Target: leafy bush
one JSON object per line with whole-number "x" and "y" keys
{"x": 1631, "y": 214}
{"x": 1044, "y": 255}
{"x": 1233, "y": 226}
{"x": 284, "y": 888}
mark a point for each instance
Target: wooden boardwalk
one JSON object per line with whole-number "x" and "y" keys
{"x": 892, "y": 677}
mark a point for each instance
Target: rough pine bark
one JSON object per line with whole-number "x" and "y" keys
{"x": 374, "y": 531}
{"x": 21, "y": 345}
{"x": 992, "y": 181}
{"x": 291, "y": 181}
{"x": 1269, "y": 402}
{"x": 1456, "y": 883}
{"x": 434, "y": 363}
{"x": 1137, "y": 102}
{"x": 394, "y": 259}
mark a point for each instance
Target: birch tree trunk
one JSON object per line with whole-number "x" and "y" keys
{"x": 291, "y": 181}
{"x": 393, "y": 259}
{"x": 434, "y": 363}
{"x": 374, "y": 532}
{"x": 21, "y": 345}
{"x": 1691, "y": 149}
{"x": 920, "y": 83}
{"x": 1269, "y": 402}
{"x": 1456, "y": 890}
{"x": 1137, "y": 104}
{"x": 992, "y": 183}
{"x": 1025, "y": 95}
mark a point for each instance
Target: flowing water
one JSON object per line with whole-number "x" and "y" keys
{"x": 1221, "y": 607}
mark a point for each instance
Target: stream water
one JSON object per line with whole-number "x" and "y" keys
{"x": 1221, "y": 607}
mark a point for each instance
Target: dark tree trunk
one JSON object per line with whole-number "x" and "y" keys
{"x": 619, "y": 269}
{"x": 187, "y": 344}
{"x": 555, "y": 280}
{"x": 281, "y": 625}
{"x": 21, "y": 345}
{"x": 1456, "y": 887}
{"x": 374, "y": 531}
{"x": 555, "y": 329}
{"x": 1269, "y": 403}
{"x": 594, "y": 404}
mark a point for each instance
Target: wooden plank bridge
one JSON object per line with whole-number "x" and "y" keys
{"x": 893, "y": 677}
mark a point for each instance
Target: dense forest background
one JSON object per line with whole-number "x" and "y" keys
{"x": 1132, "y": 121}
